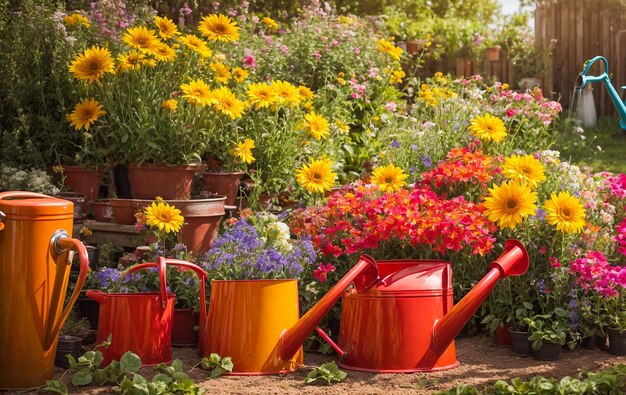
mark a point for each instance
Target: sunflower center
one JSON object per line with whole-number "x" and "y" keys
{"x": 526, "y": 171}
{"x": 93, "y": 66}
{"x": 388, "y": 180}
{"x": 317, "y": 176}
{"x": 220, "y": 28}
{"x": 511, "y": 204}
{"x": 141, "y": 41}
{"x": 566, "y": 213}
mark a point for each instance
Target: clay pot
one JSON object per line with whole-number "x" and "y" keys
{"x": 183, "y": 332}
{"x": 492, "y": 53}
{"x": 503, "y": 337}
{"x": 202, "y": 221}
{"x": 101, "y": 210}
{"x": 124, "y": 209}
{"x": 84, "y": 181}
{"x": 223, "y": 183}
{"x": 79, "y": 203}
{"x": 169, "y": 182}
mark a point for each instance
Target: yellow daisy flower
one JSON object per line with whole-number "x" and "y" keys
{"x": 317, "y": 176}
{"x": 566, "y": 212}
{"x": 286, "y": 92}
{"x": 167, "y": 27}
{"x": 196, "y": 44}
{"x": 197, "y": 92}
{"x": 164, "y": 217}
{"x": 141, "y": 38}
{"x": 92, "y": 64}
{"x": 524, "y": 168}
{"x": 240, "y": 74}
{"x": 388, "y": 47}
{"x": 389, "y": 178}
{"x": 488, "y": 128}
{"x": 85, "y": 113}
{"x": 222, "y": 72}
{"x": 316, "y": 125}
{"x": 170, "y": 105}
{"x": 226, "y": 102}
{"x": 163, "y": 53}
{"x": 219, "y": 28}
{"x": 270, "y": 23}
{"x": 131, "y": 60}
{"x": 305, "y": 93}
{"x": 76, "y": 19}
{"x": 243, "y": 151}
{"x": 508, "y": 203}
{"x": 260, "y": 95}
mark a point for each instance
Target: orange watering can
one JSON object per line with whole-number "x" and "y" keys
{"x": 36, "y": 251}
{"x": 141, "y": 322}
{"x": 256, "y": 322}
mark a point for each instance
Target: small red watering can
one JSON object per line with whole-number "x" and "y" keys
{"x": 406, "y": 322}
{"x": 142, "y": 322}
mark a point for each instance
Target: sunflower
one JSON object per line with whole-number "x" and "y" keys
{"x": 225, "y": 101}
{"x": 170, "y": 105}
{"x": 92, "y": 64}
{"x": 243, "y": 151}
{"x": 197, "y": 92}
{"x": 196, "y": 44}
{"x": 316, "y": 125}
{"x": 566, "y": 212}
{"x": 260, "y": 95}
{"x": 488, "y": 128}
{"x": 524, "y": 168}
{"x": 164, "y": 217}
{"x": 85, "y": 113}
{"x": 219, "y": 27}
{"x": 240, "y": 74}
{"x": 141, "y": 38}
{"x": 317, "y": 176}
{"x": 76, "y": 19}
{"x": 167, "y": 28}
{"x": 389, "y": 178}
{"x": 163, "y": 53}
{"x": 131, "y": 60}
{"x": 388, "y": 47}
{"x": 270, "y": 23}
{"x": 222, "y": 72}
{"x": 508, "y": 203}
{"x": 286, "y": 92}
{"x": 305, "y": 93}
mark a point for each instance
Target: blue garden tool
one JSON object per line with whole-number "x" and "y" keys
{"x": 583, "y": 79}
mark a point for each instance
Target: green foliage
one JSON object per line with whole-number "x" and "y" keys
{"x": 547, "y": 328}
{"x": 217, "y": 365}
{"x": 328, "y": 373}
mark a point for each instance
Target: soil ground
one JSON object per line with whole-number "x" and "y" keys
{"x": 482, "y": 363}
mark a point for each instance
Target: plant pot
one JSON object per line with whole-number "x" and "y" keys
{"x": 183, "y": 332}
{"x": 124, "y": 209}
{"x": 522, "y": 347}
{"x": 588, "y": 343}
{"x": 169, "y": 182}
{"x": 412, "y": 47}
{"x": 492, "y": 53}
{"x": 85, "y": 181}
{"x": 89, "y": 309}
{"x": 225, "y": 183}
{"x": 601, "y": 342}
{"x": 548, "y": 352}
{"x": 94, "y": 256}
{"x": 617, "y": 342}
{"x": 79, "y": 202}
{"x": 101, "y": 210}
{"x": 67, "y": 345}
{"x": 202, "y": 221}
{"x": 503, "y": 337}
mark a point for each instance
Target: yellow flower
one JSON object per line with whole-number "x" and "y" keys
{"x": 488, "y": 128}
{"x": 305, "y": 93}
{"x": 132, "y": 60}
{"x": 396, "y": 77}
{"x": 260, "y": 95}
{"x": 227, "y": 103}
{"x": 308, "y": 106}
{"x": 163, "y": 53}
{"x": 170, "y": 105}
{"x": 317, "y": 176}
{"x": 286, "y": 92}
{"x": 341, "y": 81}
{"x": 222, "y": 72}
{"x": 240, "y": 74}
{"x": 387, "y": 47}
{"x": 219, "y": 27}
{"x": 566, "y": 212}
{"x": 243, "y": 151}
{"x": 197, "y": 92}
{"x": 270, "y": 23}
{"x": 508, "y": 203}
{"x": 389, "y": 178}
{"x": 196, "y": 44}
{"x": 164, "y": 217}
{"x": 92, "y": 64}
{"x": 167, "y": 28}
{"x": 76, "y": 19}
{"x": 85, "y": 113}
{"x": 342, "y": 126}
{"x": 316, "y": 125}
{"x": 141, "y": 38}
{"x": 524, "y": 168}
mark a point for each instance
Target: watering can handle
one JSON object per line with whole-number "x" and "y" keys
{"x": 592, "y": 61}
{"x": 160, "y": 264}
{"x": 64, "y": 244}
{"x": 22, "y": 194}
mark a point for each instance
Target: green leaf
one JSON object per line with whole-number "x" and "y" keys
{"x": 139, "y": 380}
{"x": 177, "y": 364}
{"x": 227, "y": 364}
{"x": 130, "y": 363}
{"x": 216, "y": 372}
{"x": 54, "y": 386}
{"x": 561, "y": 312}
{"x": 180, "y": 376}
{"x": 99, "y": 377}
{"x": 82, "y": 377}
{"x": 72, "y": 361}
{"x": 161, "y": 378}
{"x": 214, "y": 358}
{"x": 126, "y": 384}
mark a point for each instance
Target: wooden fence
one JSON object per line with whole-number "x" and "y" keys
{"x": 584, "y": 29}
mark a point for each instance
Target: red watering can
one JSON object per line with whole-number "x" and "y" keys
{"x": 142, "y": 322}
{"x": 406, "y": 322}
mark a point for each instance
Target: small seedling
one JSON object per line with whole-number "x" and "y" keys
{"x": 328, "y": 373}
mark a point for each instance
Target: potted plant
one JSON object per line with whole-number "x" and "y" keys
{"x": 186, "y": 286}
{"x": 547, "y": 334}
{"x": 71, "y": 338}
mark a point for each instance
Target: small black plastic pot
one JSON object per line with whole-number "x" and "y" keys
{"x": 548, "y": 352}
{"x": 588, "y": 343}
{"x": 617, "y": 342}
{"x": 522, "y": 347}
{"x": 89, "y": 309}
{"x": 67, "y": 345}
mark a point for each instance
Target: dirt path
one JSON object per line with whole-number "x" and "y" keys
{"x": 482, "y": 363}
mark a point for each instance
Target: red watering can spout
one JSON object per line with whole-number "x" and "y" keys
{"x": 512, "y": 262}
{"x": 364, "y": 274}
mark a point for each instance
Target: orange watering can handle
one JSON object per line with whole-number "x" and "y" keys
{"x": 22, "y": 194}
{"x": 160, "y": 264}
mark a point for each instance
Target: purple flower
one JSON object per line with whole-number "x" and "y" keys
{"x": 426, "y": 161}
{"x": 541, "y": 214}
{"x": 395, "y": 144}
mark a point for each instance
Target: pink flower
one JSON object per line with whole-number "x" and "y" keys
{"x": 510, "y": 112}
{"x": 391, "y": 106}
{"x": 255, "y": 19}
{"x": 543, "y": 250}
{"x": 249, "y": 62}
{"x": 317, "y": 55}
{"x": 335, "y": 43}
{"x": 284, "y": 49}
{"x": 322, "y": 271}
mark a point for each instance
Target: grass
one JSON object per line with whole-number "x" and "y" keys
{"x": 611, "y": 156}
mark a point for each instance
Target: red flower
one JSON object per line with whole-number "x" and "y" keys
{"x": 322, "y": 271}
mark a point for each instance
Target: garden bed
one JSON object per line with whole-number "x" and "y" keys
{"x": 482, "y": 363}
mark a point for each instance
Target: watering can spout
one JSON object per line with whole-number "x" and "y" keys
{"x": 364, "y": 274}
{"x": 512, "y": 262}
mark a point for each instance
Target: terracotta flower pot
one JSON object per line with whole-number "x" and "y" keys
{"x": 101, "y": 210}
{"x": 503, "y": 337}
{"x": 202, "y": 221}
{"x": 149, "y": 181}
{"x": 183, "y": 332}
{"x": 223, "y": 183}
{"x": 492, "y": 53}
{"x": 124, "y": 209}
{"x": 84, "y": 181}
{"x": 79, "y": 203}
